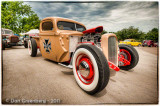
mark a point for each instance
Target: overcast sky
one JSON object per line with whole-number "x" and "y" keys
{"x": 113, "y": 15}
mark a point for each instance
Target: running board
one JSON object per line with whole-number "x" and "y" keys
{"x": 68, "y": 66}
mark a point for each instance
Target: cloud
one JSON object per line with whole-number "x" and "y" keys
{"x": 113, "y": 15}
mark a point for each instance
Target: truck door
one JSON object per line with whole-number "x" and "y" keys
{"x": 50, "y": 43}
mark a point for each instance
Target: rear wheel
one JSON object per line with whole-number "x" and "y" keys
{"x": 32, "y": 47}
{"x": 90, "y": 69}
{"x": 129, "y": 53}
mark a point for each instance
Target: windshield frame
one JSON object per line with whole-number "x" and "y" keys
{"x": 75, "y": 26}
{"x": 10, "y": 32}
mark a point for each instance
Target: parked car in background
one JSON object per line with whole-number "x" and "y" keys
{"x": 8, "y": 38}
{"x": 131, "y": 42}
{"x": 156, "y": 44}
{"x": 149, "y": 43}
{"x": 20, "y": 43}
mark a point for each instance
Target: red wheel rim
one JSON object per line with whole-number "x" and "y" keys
{"x": 84, "y": 69}
{"x": 124, "y": 53}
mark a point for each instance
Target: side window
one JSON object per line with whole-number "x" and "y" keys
{"x": 80, "y": 28}
{"x": 47, "y": 26}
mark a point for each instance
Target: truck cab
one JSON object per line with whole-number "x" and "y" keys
{"x": 58, "y": 37}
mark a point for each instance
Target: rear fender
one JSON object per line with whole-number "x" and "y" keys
{"x": 37, "y": 39}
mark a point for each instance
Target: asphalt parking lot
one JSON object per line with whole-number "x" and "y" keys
{"x": 36, "y": 78}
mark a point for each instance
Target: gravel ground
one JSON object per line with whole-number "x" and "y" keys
{"x": 28, "y": 78}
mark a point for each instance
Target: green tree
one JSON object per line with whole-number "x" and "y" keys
{"x": 152, "y": 35}
{"x": 103, "y": 32}
{"x": 18, "y": 16}
{"x": 130, "y": 33}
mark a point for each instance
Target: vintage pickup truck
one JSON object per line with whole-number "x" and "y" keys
{"x": 131, "y": 42}
{"x": 91, "y": 55}
{"x": 8, "y": 39}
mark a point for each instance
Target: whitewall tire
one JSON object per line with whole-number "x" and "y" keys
{"x": 90, "y": 68}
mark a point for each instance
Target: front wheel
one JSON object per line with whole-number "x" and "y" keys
{"x": 130, "y": 54}
{"x": 90, "y": 68}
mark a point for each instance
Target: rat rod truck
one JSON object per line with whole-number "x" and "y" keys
{"x": 91, "y": 55}
{"x": 8, "y": 38}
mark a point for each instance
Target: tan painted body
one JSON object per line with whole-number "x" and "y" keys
{"x": 60, "y": 40}
{"x": 104, "y": 44}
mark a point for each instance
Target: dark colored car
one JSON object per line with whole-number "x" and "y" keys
{"x": 149, "y": 43}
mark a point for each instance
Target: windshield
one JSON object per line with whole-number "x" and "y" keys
{"x": 127, "y": 40}
{"x": 8, "y": 32}
{"x": 62, "y": 25}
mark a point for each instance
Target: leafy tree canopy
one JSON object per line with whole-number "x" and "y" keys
{"x": 129, "y": 33}
{"x": 18, "y": 17}
{"x": 135, "y": 33}
{"x": 152, "y": 35}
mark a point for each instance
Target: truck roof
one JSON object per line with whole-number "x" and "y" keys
{"x": 63, "y": 19}
{"x": 6, "y": 29}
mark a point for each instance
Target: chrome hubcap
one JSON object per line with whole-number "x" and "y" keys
{"x": 84, "y": 69}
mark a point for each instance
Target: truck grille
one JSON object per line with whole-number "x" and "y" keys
{"x": 112, "y": 50}
{"x": 14, "y": 39}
